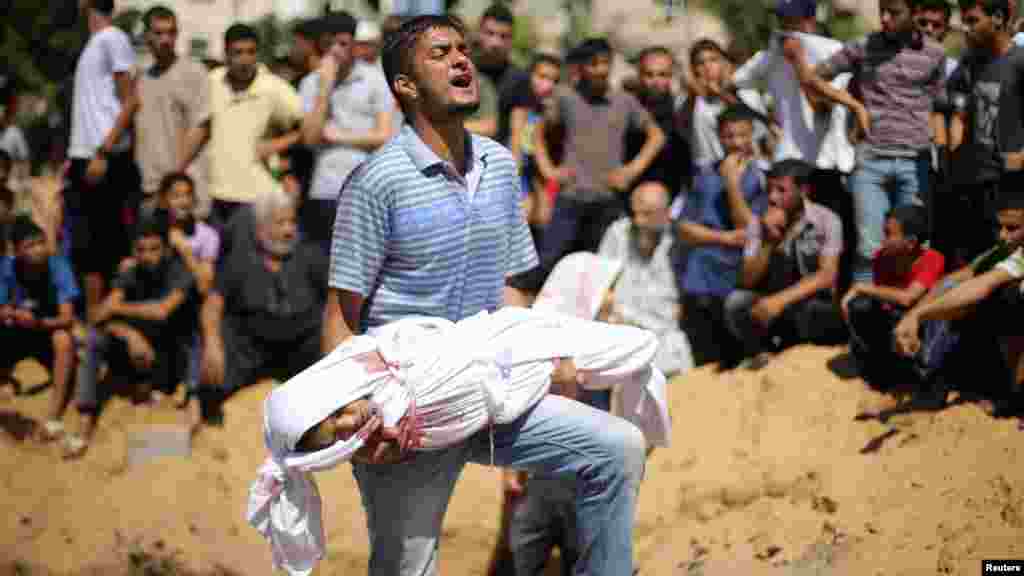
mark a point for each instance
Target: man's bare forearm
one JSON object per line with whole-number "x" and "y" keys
{"x": 210, "y": 317}
{"x": 652, "y": 147}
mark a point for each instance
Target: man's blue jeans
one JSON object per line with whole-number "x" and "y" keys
{"x": 879, "y": 184}
{"x": 405, "y": 502}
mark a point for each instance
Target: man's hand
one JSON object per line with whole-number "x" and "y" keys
{"x": 213, "y": 362}
{"x": 863, "y": 127}
{"x": 733, "y": 165}
{"x": 774, "y": 225}
{"x": 514, "y": 483}
{"x": 906, "y": 335}
{"x": 856, "y": 290}
{"x": 328, "y": 71}
{"x": 621, "y": 178}
{"x": 1013, "y": 161}
{"x": 24, "y": 318}
{"x": 736, "y": 238}
{"x": 178, "y": 240}
{"x": 7, "y": 315}
{"x": 96, "y": 170}
{"x": 767, "y": 310}
{"x": 332, "y": 134}
{"x": 140, "y": 351}
{"x": 565, "y": 380}
{"x": 264, "y": 150}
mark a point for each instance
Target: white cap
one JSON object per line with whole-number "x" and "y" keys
{"x": 367, "y": 31}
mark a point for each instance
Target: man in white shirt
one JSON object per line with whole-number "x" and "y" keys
{"x": 811, "y": 130}
{"x": 104, "y": 189}
{"x": 348, "y": 108}
{"x": 172, "y": 93}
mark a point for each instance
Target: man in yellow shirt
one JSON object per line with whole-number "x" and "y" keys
{"x": 246, "y": 102}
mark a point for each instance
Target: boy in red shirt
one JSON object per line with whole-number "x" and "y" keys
{"x": 904, "y": 270}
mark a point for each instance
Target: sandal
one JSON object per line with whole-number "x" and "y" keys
{"x": 52, "y": 430}
{"x": 74, "y": 446}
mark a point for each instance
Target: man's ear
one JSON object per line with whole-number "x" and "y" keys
{"x": 405, "y": 87}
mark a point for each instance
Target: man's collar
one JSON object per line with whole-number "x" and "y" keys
{"x": 426, "y": 159}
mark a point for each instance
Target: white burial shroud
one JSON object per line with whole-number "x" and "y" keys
{"x": 485, "y": 370}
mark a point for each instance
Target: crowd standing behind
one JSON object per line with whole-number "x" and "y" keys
{"x": 229, "y": 222}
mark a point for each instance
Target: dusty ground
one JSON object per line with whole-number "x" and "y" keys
{"x": 766, "y": 476}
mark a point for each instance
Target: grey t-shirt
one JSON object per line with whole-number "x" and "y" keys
{"x": 988, "y": 90}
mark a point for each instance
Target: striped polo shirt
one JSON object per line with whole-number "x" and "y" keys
{"x": 414, "y": 237}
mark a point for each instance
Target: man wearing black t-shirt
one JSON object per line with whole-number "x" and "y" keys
{"x": 987, "y": 130}
{"x": 502, "y": 85}
{"x": 672, "y": 167}
{"x": 264, "y": 313}
{"x": 143, "y": 328}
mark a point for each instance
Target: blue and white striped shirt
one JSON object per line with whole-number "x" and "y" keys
{"x": 415, "y": 238}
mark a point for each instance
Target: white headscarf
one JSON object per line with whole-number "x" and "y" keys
{"x": 578, "y": 284}
{"x": 284, "y": 503}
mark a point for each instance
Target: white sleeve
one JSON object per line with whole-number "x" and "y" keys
{"x": 120, "y": 52}
{"x": 753, "y": 71}
{"x": 309, "y": 89}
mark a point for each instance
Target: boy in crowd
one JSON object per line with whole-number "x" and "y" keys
{"x": 790, "y": 268}
{"x": 37, "y": 293}
{"x": 972, "y": 307}
{"x": 197, "y": 245}
{"x": 715, "y": 233}
{"x": 712, "y": 68}
{"x": 143, "y": 327}
{"x": 904, "y": 270}
{"x": 899, "y": 73}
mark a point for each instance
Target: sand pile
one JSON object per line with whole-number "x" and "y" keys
{"x": 768, "y": 474}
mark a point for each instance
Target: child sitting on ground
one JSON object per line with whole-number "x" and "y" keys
{"x": 427, "y": 384}
{"x": 904, "y": 271}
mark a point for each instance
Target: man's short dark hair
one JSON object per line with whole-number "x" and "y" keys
{"x": 309, "y": 28}
{"x": 654, "y": 51}
{"x": 499, "y": 13}
{"x": 158, "y": 12}
{"x": 155, "y": 224}
{"x": 704, "y": 45}
{"x": 592, "y": 48}
{"x": 733, "y": 114}
{"x": 396, "y": 53}
{"x": 168, "y": 182}
{"x": 105, "y": 7}
{"x": 544, "y": 58}
{"x": 989, "y": 7}
{"x": 798, "y": 170}
{"x": 340, "y": 22}
{"x": 913, "y": 220}
{"x": 936, "y": 5}
{"x": 6, "y": 197}
{"x": 238, "y": 32}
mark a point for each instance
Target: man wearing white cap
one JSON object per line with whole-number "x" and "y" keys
{"x": 367, "y": 39}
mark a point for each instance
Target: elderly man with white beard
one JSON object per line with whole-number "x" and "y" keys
{"x": 646, "y": 294}
{"x": 264, "y": 312}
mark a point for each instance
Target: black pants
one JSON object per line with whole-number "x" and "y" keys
{"x": 102, "y": 217}
{"x": 318, "y": 222}
{"x": 811, "y": 321}
{"x": 704, "y": 325}
{"x": 576, "y": 227}
{"x": 249, "y": 355}
{"x": 871, "y": 324}
{"x": 966, "y": 223}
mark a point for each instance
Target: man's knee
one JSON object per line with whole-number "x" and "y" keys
{"x": 860, "y": 307}
{"x": 628, "y": 448}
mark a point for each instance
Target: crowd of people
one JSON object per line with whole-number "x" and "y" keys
{"x": 221, "y": 221}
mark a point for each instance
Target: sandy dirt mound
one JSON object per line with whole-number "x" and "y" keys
{"x": 770, "y": 472}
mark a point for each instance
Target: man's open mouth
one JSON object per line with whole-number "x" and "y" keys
{"x": 462, "y": 81}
